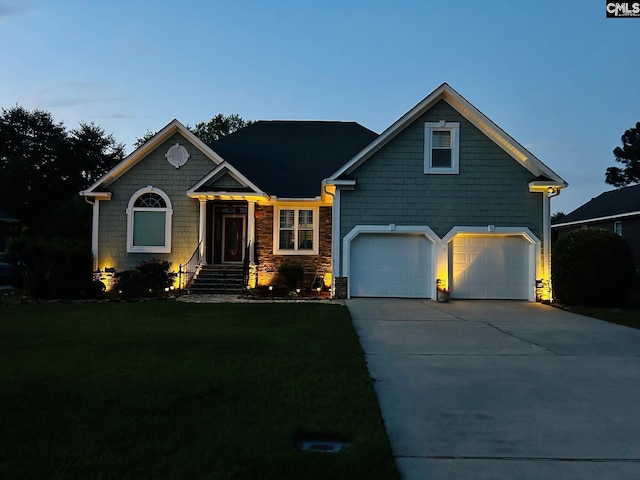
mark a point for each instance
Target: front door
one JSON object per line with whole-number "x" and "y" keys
{"x": 233, "y": 238}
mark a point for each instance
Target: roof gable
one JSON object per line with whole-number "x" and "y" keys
{"x": 289, "y": 159}
{"x": 224, "y": 179}
{"x": 446, "y": 93}
{"x": 141, "y": 152}
{"x": 611, "y": 204}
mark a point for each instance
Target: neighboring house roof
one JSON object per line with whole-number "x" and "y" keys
{"x": 289, "y": 159}
{"x": 622, "y": 202}
{"x": 474, "y": 116}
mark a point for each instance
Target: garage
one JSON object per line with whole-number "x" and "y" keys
{"x": 390, "y": 265}
{"x": 489, "y": 267}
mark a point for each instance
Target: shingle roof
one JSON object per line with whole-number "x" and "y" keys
{"x": 607, "y": 204}
{"x": 289, "y": 159}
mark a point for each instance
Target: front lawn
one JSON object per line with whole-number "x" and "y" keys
{"x": 167, "y": 389}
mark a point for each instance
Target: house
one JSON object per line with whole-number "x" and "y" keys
{"x": 616, "y": 210}
{"x": 251, "y": 200}
{"x": 443, "y": 198}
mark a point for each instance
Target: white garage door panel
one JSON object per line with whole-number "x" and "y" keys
{"x": 489, "y": 267}
{"x": 390, "y": 265}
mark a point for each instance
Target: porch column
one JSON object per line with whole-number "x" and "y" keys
{"x": 202, "y": 240}
{"x": 251, "y": 231}
{"x": 95, "y": 228}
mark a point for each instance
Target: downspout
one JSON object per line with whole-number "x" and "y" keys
{"x": 546, "y": 259}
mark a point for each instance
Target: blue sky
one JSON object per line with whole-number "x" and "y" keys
{"x": 559, "y": 77}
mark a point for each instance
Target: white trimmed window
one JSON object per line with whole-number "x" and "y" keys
{"x": 295, "y": 231}
{"x": 441, "y": 147}
{"x": 617, "y": 228}
{"x": 149, "y": 221}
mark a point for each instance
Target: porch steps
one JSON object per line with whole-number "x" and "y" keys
{"x": 218, "y": 280}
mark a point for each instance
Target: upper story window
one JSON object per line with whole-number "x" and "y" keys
{"x": 296, "y": 231}
{"x": 441, "y": 147}
{"x": 617, "y": 228}
{"x": 149, "y": 221}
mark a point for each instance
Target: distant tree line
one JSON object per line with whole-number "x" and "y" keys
{"x": 216, "y": 128}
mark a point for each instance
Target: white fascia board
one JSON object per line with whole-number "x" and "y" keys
{"x": 499, "y": 136}
{"x": 598, "y": 219}
{"x": 386, "y": 136}
{"x": 134, "y": 157}
{"x": 96, "y": 195}
{"x": 295, "y": 201}
{"x": 233, "y": 171}
{"x": 544, "y": 185}
{"x": 473, "y": 115}
{"x": 338, "y": 183}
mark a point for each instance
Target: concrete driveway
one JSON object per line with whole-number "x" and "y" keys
{"x": 503, "y": 390}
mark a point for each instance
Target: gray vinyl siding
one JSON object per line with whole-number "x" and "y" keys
{"x": 156, "y": 171}
{"x": 392, "y": 188}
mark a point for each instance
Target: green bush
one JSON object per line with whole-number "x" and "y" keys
{"x": 591, "y": 267}
{"x": 51, "y": 267}
{"x": 292, "y": 273}
{"x": 149, "y": 279}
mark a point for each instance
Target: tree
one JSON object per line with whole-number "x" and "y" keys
{"x": 629, "y": 156}
{"x": 148, "y": 135}
{"x": 216, "y": 128}
{"x": 41, "y": 164}
{"x": 33, "y": 151}
{"x": 94, "y": 152}
{"x": 557, "y": 216}
{"x": 219, "y": 126}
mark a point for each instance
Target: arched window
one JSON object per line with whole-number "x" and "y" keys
{"x": 149, "y": 221}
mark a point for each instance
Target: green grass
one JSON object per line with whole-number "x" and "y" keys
{"x": 187, "y": 391}
{"x": 629, "y": 317}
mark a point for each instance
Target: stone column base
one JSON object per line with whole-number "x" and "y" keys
{"x": 340, "y": 287}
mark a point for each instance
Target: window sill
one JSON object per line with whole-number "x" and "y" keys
{"x": 295, "y": 252}
{"x": 149, "y": 250}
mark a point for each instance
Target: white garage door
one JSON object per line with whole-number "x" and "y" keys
{"x": 390, "y": 265}
{"x": 489, "y": 267}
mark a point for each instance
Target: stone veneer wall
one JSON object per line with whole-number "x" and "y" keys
{"x": 340, "y": 287}
{"x": 268, "y": 263}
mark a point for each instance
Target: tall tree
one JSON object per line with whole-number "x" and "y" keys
{"x": 94, "y": 152}
{"x": 629, "y": 156}
{"x": 148, "y": 135}
{"x": 219, "y": 126}
{"x": 33, "y": 150}
{"x": 41, "y": 164}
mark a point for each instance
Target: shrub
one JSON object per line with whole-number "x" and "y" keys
{"x": 592, "y": 267}
{"x": 292, "y": 273}
{"x": 51, "y": 267}
{"x": 149, "y": 279}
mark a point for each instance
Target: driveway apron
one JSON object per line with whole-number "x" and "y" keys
{"x": 503, "y": 389}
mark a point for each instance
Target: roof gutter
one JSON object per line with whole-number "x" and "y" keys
{"x": 598, "y": 219}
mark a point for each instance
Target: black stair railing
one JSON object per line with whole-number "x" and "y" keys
{"x": 188, "y": 271}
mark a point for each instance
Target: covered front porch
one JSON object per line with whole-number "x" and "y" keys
{"x": 226, "y": 245}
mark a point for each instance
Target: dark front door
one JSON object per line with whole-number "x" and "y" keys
{"x": 232, "y": 238}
